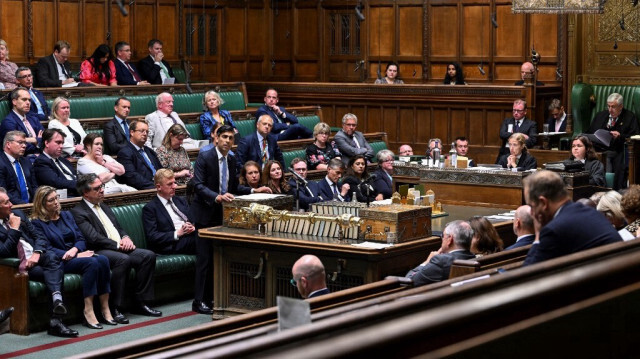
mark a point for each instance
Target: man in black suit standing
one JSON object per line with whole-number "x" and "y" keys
{"x": 523, "y": 227}
{"x": 16, "y": 173}
{"x": 518, "y": 123}
{"x": 169, "y": 229}
{"x": 309, "y": 276}
{"x": 104, "y": 235}
{"x": 261, "y": 146}
{"x": 126, "y": 73}
{"x": 154, "y": 68}
{"x": 456, "y": 241}
{"x": 19, "y": 239}
{"x": 116, "y": 131}
{"x": 39, "y": 107}
{"x": 139, "y": 161}
{"x": 51, "y": 168}
{"x": 54, "y": 70}
{"x": 621, "y": 124}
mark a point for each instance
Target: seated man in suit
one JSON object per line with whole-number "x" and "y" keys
{"x": 51, "y": 168}
{"x": 105, "y": 236}
{"x": 621, "y": 124}
{"x": 261, "y": 146}
{"x": 285, "y": 125}
{"x": 16, "y": 172}
{"x": 19, "y": 239}
{"x": 523, "y": 227}
{"x": 328, "y": 188}
{"x": 462, "y": 149}
{"x": 351, "y": 142}
{"x": 308, "y": 193}
{"x": 39, "y": 107}
{"x": 517, "y": 123}
{"x": 162, "y": 119}
{"x": 154, "y": 68}
{"x": 309, "y": 276}
{"x": 558, "y": 118}
{"x": 562, "y": 226}
{"x": 405, "y": 150}
{"x": 19, "y": 119}
{"x": 126, "y": 73}
{"x": 116, "y": 131}
{"x": 528, "y": 71}
{"x": 168, "y": 229}
{"x": 456, "y": 242}
{"x": 139, "y": 161}
{"x": 383, "y": 182}
{"x": 54, "y": 70}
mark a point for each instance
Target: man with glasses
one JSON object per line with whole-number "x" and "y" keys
{"x": 16, "y": 172}
{"x": 19, "y": 119}
{"x": 105, "y": 236}
{"x": 309, "y": 277}
{"x": 39, "y": 107}
{"x": 54, "y": 70}
{"x": 140, "y": 162}
{"x": 351, "y": 142}
{"x": 51, "y": 168}
{"x": 517, "y": 123}
{"x": 308, "y": 193}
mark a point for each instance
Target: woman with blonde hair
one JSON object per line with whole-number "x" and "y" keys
{"x": 60, "y": 113}
{"x": 518, "y": 156}
{"x": 7, "y": 68}
{"x": 213, "y": 116}
{"x": 611, "y": 208}
{"x": 321, "y": 151}
{"x": 174, "y": 156}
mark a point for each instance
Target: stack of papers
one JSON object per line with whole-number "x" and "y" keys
{"x": 372, "y": 245}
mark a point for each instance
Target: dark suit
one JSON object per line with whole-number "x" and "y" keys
{"x": 325, "y": 191}
{"x": 524, "y": 241}
{"x": 114, "y": 137}
{"x": 9, "y": 179}
{"x": 159, "y": 230}
{"x": 306, "y": 198}
{"x": 357, "y": 186}
{"x": 526, "y": 161}
{"x": 47, "y": 72}
{"x": 47, "y": 173}
{"x": 521, "y": 82}
{"x": 13, "y": 123}
{"x": 142, "y": 260}
{"x": 43, "y": 103}
{"x": 319, "y": 293}
{"x": 348, "y": 149}
{"x": 137, "y": 173}
{"x": 627, "y": 125}
{"x": 123, "y": 75}
{"x": 552, "y": 124}
{"x": 574, "y": 229}
{"x": 151, "y": 72}
{"x": 528, "y": 127}
{"x": 287, "y": 128}
{"x": 250, "y": 149}
{"x": 383, "y": 183}
{"x": 438, "y": 268}
{"x": 596, "y": 172}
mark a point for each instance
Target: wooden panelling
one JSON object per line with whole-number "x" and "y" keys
{"x": 282, "y": 34}
{"x": 475, "y": 32}
{"x": 144, "y": 30}
{"x": 94, "y": 27}
{"x": 257, "y": 37}
{"x": 444, "y": 34}
{"x": 120, "y": 27}
{"x": 307, "y": 36}
{"x": 167, "y": 31}
{"x": 509, "y": 34}
{"x": 46, "y": 28}
{"x": 381, "y": 39}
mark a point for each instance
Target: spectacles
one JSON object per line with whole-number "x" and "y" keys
{"x": 25, "y": 76}
{"x": 141, "y": 131}
{"x": 519, "y": 111}
{"x": 21, "y": 143}
{"x": 98, "y": 188}
{"x": 53, "y": 199}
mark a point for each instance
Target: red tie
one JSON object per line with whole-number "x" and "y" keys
{"x": 135, "y": 75}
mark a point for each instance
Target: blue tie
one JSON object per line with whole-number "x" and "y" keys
{"x": 34, "y": 98}
{"x": 223, "y": 185}
{"x": 126, "y": 129}
{"x": 24, "y": 194}
{"x": 146, "y": 159}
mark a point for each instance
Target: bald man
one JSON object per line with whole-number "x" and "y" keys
{"x": 523, "y": 227}
{"x": 527, "y": 70}
{"x": 309, "y": 276}
{"x": 405, "y": 150}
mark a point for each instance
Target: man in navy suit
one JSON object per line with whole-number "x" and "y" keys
{"x": 383, "y": 183}
{"x": 39, "y": 107}
{"x": 285, "y": 125}
{"x": 51, "y": 168}
{"x": 329, "y": 188}
{"x": 19, "y": 239}
{"x": 139, "y": 161}
{"x": 462, "y": 148}
{"x": 168, "y": 229}
{"x": 518, "y": 123}
{"x": 309, "y": 276}
{"x": 307, "y": 194}
{"x": 261, "y": 146}
{"x": 116, "y": 131}
{"x": 154, "y": 68}
{"x": 456, "y": 241}
{"x": 126, "y": 73}
{"x": 16, "y": 172}
{"x": 19, "y": 119}
{"x": 54, "y": 70}
{"x": 562, "y": 226}
{"x": 523, "y": 227}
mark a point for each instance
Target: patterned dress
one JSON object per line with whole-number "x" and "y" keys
{"x": 317, "y": 155}
{"x": 8, "y": 74}
{"x": 175, "y": 160}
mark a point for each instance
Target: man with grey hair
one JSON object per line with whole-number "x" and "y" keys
{"x": 39, "y": 107}
{"x": 383, "y": 182}
{"x": 456, "y": 242}
{"x": 351, "y": 142}
{"x": 161, "y": 120}
{"x": 329, "y": 188}
{"x": 309, "y": 276}
{"x": 621, "y": 124}
{"x": 523, "y": 227}
{"x": 16, "y": 172}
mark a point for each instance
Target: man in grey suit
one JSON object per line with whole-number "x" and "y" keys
{"x": 351, "y": 142}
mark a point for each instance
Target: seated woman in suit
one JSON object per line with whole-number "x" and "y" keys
{"x": 174, "y": 156}
{"x": 66, "y": 240}
{"x": 60, "y": 113}
{"x": 213, "y": 116}
{"x": 273, "y": 177}
{"x": 485, "y": 237}
{"x": 582, "y": 150}
{"x": 250, "y": 178}
{"x": 321, "y": 151}
{"x": 383, "y": 184}
{"x": 99, "y": 69}
{"x": 355, "y": 175}
{"x": 107, "y": 168}
{"x": 518, "y": 156}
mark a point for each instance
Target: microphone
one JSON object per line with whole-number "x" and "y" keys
{"x": 371, "y": 178}
{"x": 494, "y": 20}
{"x": 359, "y": 13}
{"x": 122, "y": 8}
{"x": 481, "y": 70}
{"x": 297, "y": 176}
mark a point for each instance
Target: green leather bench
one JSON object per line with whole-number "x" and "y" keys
{"x": 377, "y": 147}
{"x": 587, "y": 100}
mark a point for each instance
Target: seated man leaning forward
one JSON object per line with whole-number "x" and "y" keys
{"x": 456, "y": 242}
{"x": 309, "y": 276}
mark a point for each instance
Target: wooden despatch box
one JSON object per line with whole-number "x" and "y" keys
{"x": 407, "y": 222}
{"x": 233, "y": 215}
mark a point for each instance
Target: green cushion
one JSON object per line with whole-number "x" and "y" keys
{"x": 377, "y": 146}
{"x": 194, "y": 131}
{"x": 309, "y": 121}
{"x": 186, "y": 103}
{"x": 290, "y": 155}
{"x": 246, "y": 127}
{"x": 99, "y": 131}
{"x": 233, "y": 100}
{"x": 130, "y": 218}
{"x": 175, "y": 263}
{"x": 179, "y": 74}
{"x": 141, "y": 105}
{"x": 4, "y": 109}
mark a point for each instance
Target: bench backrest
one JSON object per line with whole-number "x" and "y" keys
{"x": 130, "y": 218}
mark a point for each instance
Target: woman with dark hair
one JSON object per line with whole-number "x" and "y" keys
{"x": 582, "y": 150}
{"x": 485, "y": 237}
{"x": 174, "y": 156}
{"x": 104, "y": 166}
{"x": 250, "y": 178}
{"x": 630, "y": 204}
{"x": 273, "y": 177}
{"x": 99, "y": 69}
{"x": 518, "y": 156}
{"x": 392, "y": 72}
{"x": 454, "y": 74}
{"x": 355, "y": 175}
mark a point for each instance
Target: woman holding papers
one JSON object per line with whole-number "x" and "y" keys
{"x": 518, "y": 156}
{"x": 582, "y": 150}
